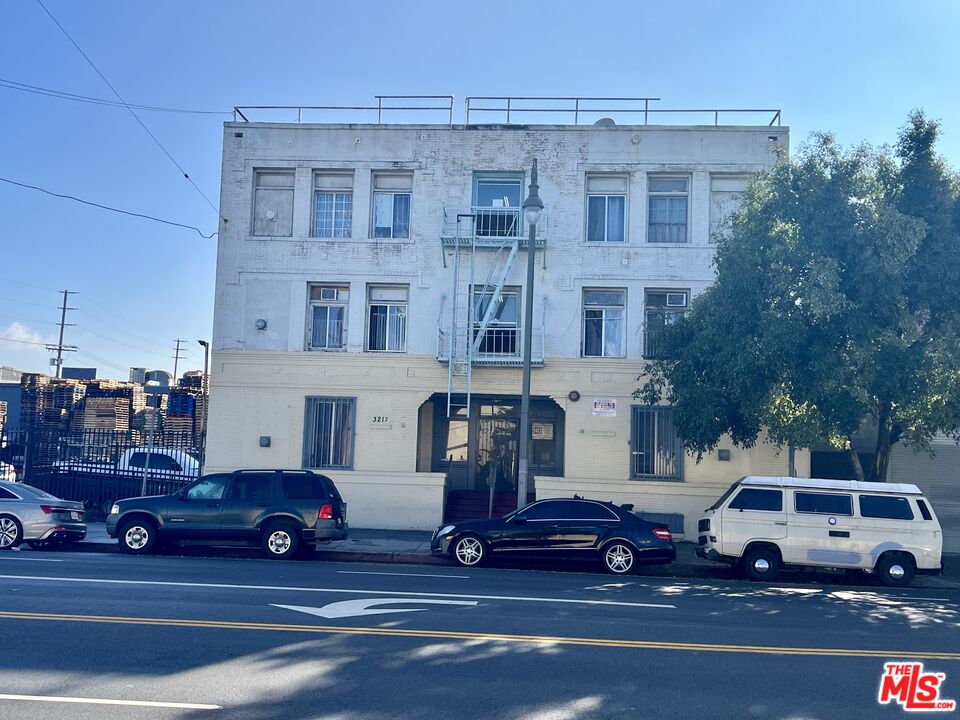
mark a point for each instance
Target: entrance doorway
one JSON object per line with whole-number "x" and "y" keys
{"x": 480, "y": 453}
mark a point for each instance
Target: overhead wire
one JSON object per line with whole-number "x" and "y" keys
{"x": 107, "y": 207}
{"x": 117, "y": 316}
{"x": 83, "y": 328}
{"x": 24, "y": 342}
{"x": 63, "y": 95}
{"x": 130, "y": 110}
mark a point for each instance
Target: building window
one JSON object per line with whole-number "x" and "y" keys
{"x": 501, "y": 335}
{"x": 332, "y": 205}
{"x": 497, "y": 198}
{"x": 328, "y": 317}
{"x": 655, "y": 449}
{"x": 661, "y": 308}
{"x": 606, "y": 208}
{"x": 604, "y": 321}
{"x": 668, "y": 209}
{"x": 328, "y": 433}
{"x": 387, "y": 318}
{"x": 273, "y": 203}
{"x": 726, "y": 194}
{"x": 391, "y": 205}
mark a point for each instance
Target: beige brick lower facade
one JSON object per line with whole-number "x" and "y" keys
{"x": 392, "y": 484}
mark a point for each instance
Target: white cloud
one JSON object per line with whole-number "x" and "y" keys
{"x": 23, "y": 347}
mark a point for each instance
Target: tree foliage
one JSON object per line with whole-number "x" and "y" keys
{"x": 837, "y": 302}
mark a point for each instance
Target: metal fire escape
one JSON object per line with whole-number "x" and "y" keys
{"x": 474, "y": 299}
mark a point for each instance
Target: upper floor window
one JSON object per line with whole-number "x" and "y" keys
{"x": 604, "y": 322}
{"x": 327, "y": 318}
{"x": 273, "y": 203}
{"x": 668, "y": 209}
{"x": 332, "y": 204}
{"x": 497, "y": 200}
{"x": 726, "y": 194}
{"x": 661, "y": 308}
{"x": 606, "y": 208}
{"x": 391, "y": 205}
{"x": 387, "y": 312}
{"x": 501, "y": 334}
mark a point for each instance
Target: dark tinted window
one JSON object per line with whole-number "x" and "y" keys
{"x": 7, "y": 495}
{"x": 755, "y": 499}
{"x": 250, "y": 487}
{"x": 543, "y": 510}
{"x": 825, "y": 503}
{"x": 594, "y": 511}
{"x": 304, "y": 487}
{"x": 885, "y": 506}
{"x": 923, "y": 510}
{"x": 164, "y": 462}
{"x": 137, "y": 459}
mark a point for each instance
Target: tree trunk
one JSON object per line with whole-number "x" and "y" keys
{"x": 881, "y": 456}
{"x": 855, "y": 461}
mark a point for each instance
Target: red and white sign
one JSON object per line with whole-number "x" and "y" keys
{"x": 914, "y": 689}
{"x": 605, "y": 407}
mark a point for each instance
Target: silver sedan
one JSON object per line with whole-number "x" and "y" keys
{"x": 36, "y": 517}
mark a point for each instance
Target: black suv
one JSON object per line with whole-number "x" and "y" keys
{"x": 282, "y": 511}
{"x": 577, "y": 528}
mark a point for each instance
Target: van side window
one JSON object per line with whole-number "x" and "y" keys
{"x": 824, "y": 503}
{"x": 754, "y": 499}
{"x": 923, "y": 510}
{"x": 885, "y": 506}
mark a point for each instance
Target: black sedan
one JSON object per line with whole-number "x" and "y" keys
{"x": 576, "y": 528}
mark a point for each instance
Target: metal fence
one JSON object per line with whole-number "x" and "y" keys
{"x": 98, "y": 467}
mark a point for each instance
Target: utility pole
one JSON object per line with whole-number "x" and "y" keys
{"x": 60, "y": 347}
{"x": 176, "y": 361}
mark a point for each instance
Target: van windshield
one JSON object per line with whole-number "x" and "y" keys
{"x": 723, "y": 498}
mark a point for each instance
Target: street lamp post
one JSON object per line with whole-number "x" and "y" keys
{"x": 205, "y": 394}
{"x": 531, "y": 208}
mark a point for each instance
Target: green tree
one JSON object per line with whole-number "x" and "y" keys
{"x": 836, "y": 303}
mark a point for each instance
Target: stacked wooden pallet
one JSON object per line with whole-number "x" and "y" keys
{"x": 47, "y": 402}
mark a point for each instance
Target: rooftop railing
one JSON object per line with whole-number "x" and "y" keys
{"x": 502, "y": 109}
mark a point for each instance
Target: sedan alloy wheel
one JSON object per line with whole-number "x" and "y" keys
{"x": 469, "y": 551}
{"x": 618, "y": 558}
{"x": 9, "y": 533}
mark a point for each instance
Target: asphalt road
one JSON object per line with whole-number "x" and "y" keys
{"x": 112, "y": 636}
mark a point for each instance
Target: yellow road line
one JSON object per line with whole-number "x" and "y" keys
{"x": 489, "y": 637}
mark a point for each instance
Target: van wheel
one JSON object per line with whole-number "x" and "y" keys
{"x": 896, "y": 570}
{"x": 761, "y": 564}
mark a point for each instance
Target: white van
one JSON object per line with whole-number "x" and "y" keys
{"x": 766, "y": 523}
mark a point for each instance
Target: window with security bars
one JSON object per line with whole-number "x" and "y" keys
{"x": 606, "y": 208}
{"x": 501, "y": 335}
{"x": 661, "y": 308}
{"x": 273, "y": 203}
{"x": 328, "y": 433}
{"x": 333, "y": 205}
{"x": 327, "y": 317}
{"x": 668, "y": 205}
{"x": 604, "y": 321}
{"x": 391, "y": 205}
{"x": 655, "y": 449}
{"x": 387, "y": 318}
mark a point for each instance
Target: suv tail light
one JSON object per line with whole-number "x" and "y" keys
{"x": 662, "y": 533}
{"x": 326, "y": 512}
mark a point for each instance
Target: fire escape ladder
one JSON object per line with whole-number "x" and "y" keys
{"x": 493, "y": 290}
{"x": 460, "y": 348}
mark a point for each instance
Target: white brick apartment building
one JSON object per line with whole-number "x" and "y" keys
{"x": 344, "y": 285}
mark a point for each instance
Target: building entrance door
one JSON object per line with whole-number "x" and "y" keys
{"x": 497, "y": 454}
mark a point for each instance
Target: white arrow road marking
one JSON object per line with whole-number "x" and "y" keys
{"x": 358, "y": 608}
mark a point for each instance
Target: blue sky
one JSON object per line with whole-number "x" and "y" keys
{"x": 854, "y": 68}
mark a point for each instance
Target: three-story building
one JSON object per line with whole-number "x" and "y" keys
{"x": 369, "y": 295}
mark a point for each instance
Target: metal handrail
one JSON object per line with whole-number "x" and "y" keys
{"x": 508, "y": 107}
{"x": 238, "y": 110}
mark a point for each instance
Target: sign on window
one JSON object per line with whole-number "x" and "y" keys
{"x": 541, "y": 431}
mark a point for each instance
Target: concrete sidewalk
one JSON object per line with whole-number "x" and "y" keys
{"x": 411, "y": 546}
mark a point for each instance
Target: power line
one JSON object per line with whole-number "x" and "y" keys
{"x": 23, "y": 342}
{"x": 102, "y": 361}
{"x": 17, "y": 318}
{"x": 119, "y": 342}
{"x": 26, "y": 302}
{"x": 106, "y": 207}
{"x": 63, "y": 95}
{"x": 114, "y": 327}
{"x": 130, "y": 110}
{"x": 117, "y": 316}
